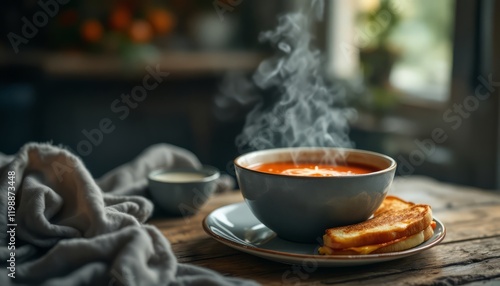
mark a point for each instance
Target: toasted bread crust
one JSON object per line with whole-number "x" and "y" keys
{"x": 387, "y": 226}
{"x": 399, "y": 244}
{"x": 392, "y": 203}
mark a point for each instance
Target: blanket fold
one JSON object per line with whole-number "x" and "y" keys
{"x": 70, "y": 229}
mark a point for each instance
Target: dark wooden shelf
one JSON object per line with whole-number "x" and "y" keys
{"x": 105, "y": 65}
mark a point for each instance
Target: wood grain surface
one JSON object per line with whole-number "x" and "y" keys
{"x": 470, "y": 253}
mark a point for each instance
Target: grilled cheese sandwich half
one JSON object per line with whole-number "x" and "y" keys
{"x": 397, "y": 225}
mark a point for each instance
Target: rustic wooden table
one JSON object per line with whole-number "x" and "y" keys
{"x": 469, "y": 254}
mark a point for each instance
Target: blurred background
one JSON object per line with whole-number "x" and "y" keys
{"x": 423, "y": 76}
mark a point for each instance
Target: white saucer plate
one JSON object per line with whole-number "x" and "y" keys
{"x": 235, "y": 226}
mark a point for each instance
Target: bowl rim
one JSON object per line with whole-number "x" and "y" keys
{"x": 392, "y": 166}
{"x": 208, "y": 178}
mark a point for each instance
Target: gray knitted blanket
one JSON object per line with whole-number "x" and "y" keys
{"x": 61, "y": 227}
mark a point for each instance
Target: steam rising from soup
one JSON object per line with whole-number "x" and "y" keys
{"x": 295, "y": 105}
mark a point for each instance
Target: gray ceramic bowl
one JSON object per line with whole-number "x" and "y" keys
{"x": 301, "y": 208}
{"x": 182, "y": 191}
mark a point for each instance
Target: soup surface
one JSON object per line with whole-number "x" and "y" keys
{"x": 311, "y": 169}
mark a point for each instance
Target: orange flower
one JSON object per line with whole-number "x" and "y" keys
{"x": 92, "y": 31}
{"x": 163, "y": 21}
{"x": 120, "y": 18}
{"x": 141, "y": 31}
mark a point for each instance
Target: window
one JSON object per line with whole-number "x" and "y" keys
{"x": 401, "y": 48}
{"x": 421, "y": 61}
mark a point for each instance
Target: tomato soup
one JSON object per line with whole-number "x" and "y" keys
{"x": 311, "y": 169}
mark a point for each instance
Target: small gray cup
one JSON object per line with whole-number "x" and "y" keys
{"x": 182, "y": 191}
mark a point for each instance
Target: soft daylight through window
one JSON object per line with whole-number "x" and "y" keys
{"x": 402, "y": 49}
